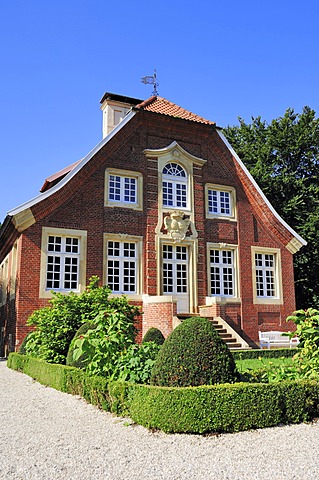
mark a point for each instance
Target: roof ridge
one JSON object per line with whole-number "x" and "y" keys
{"x": 147, "y": 102}
{"x": 161, "y": 105}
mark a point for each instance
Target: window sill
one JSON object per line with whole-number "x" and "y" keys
{"x": 267, "y": 301}
{"x": 130, "y": 206}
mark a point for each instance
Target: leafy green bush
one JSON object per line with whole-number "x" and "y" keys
{"x": 114, "y": 333}
{"x": 83, "y": 359}
{"x": 135, "y": 364}
{"x": 193, "y": 354}
{"x": 56, "y": 325}
{"x": 307, "y": 330}
{"x": 154, "y": 335}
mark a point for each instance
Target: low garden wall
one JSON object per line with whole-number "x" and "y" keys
{"x": 214, "y": 408}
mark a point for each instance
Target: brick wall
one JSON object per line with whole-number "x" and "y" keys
{"x": 80, "y": 205}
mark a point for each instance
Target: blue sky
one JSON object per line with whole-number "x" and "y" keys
{"x": 220, "y": 60}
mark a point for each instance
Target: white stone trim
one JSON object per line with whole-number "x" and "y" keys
{"x": 173, "y": 152}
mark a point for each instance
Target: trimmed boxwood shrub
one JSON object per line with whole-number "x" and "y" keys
{"x": 82, "y": 360}
{"x": 264, "y": 353}
{"x": 153, "y": 334}
{"x": 65, "y": 379}
{"x": 208, "y": 408}
{"x": 222, "y": 408}
{"x": 193, "y": 354}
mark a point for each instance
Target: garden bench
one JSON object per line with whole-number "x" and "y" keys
{"x": 276, "y": 339}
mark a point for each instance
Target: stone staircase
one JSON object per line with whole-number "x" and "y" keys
{"x": 232, "y": 339}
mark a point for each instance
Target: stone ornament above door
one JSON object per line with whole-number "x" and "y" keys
{"x": 176, "y": 225}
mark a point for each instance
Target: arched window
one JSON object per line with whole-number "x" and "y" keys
{"x": 174, "y": 186}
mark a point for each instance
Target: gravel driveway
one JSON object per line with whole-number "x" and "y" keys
{"x": 48, "y": 435}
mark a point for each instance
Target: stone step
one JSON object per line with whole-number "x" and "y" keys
{"x": 224, "y": 335}
{"x": 230, "y": 341}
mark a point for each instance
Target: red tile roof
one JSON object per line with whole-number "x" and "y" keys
{"x": 153, "y": 104}
{"x": 165, "y": 107}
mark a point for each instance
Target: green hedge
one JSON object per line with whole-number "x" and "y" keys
{"x": 66, "y": 379}
{"x": 264, "y": 353}
{"x": 223, "y": 408}
{"x": 211, "y": 408}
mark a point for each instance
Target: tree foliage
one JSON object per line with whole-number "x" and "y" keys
{"x": 283, "y": 157}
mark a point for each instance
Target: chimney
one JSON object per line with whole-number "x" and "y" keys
{"x": 114, "y": 108}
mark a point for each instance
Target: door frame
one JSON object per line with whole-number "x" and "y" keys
{"x": 192, "y": 246}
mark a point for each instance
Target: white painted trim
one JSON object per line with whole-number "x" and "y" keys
{"x": 241, "y": 164}
{"x": 73, "y": 172}
{"x": 175, "y": 151}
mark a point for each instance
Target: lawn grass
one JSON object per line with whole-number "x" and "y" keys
{"x": 257, "y": 363}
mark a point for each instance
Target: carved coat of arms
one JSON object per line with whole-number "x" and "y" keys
{"x": 176, "y": 225}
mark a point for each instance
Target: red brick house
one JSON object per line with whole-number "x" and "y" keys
{"x": 162, "y": 210}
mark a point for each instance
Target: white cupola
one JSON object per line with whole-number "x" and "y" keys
{"x": 114, "y": 108}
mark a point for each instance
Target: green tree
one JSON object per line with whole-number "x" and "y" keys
{"x": 283, "y": 157}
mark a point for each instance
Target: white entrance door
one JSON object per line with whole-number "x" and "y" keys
{"x": 175, "y": 275}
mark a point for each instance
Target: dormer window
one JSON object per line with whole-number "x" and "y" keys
{"x": 174, "y": 186}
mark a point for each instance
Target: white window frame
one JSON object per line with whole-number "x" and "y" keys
{"x": 277, "y": 298}
{"x": 177, "y": 182}
{"x": 81, "y": 236}
{"x": 124, "y": 175}
{"x": 137, "y": 260}
{"x": 234, "y": 297}
{"x": 180, "y": 277}
{"x": 220, "y": 190}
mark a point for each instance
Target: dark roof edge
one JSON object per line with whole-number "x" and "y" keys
{"x": 8, "y": 234}
{"x": 120, "y": 98}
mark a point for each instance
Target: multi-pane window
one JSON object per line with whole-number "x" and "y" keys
{"x": 175, "y": 265}
{"x": 174, "y": 186}
{"x": 219, "y": 202}
{"x": 265, "y": 275}
{"x": 63, "y": 261}
{"x": 122, "y": 266}
{"x": 122, "y": 189}
{"x": 222, "y": 274}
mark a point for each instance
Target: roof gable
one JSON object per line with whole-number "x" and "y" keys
{"x": 22, "y": 216}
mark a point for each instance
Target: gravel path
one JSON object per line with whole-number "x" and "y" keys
{"x": 49, "y": 435}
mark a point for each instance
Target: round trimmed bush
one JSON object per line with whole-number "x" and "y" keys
{"x": 81, "y": 361}
{"x": 194, "y": 354}
{"x": 154, "y": 335}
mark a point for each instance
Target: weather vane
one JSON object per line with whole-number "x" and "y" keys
{"x": 151, "y": 79}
